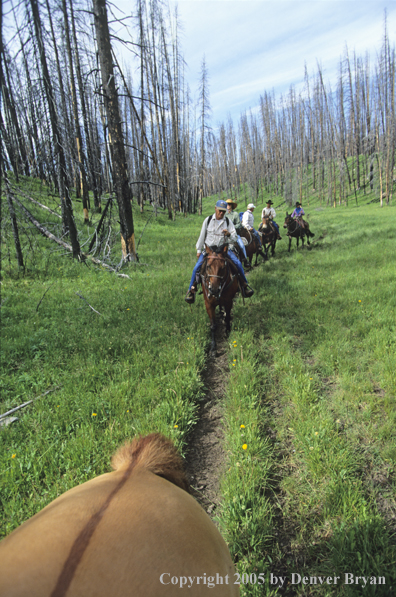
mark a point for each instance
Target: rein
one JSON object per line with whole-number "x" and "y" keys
{"x": 296, "y": 225}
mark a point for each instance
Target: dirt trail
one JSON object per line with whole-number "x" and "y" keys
{"x": 205, "y": 455}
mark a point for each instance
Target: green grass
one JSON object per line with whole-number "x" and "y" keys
{"x": 135, "y": 368}
{"x": 321, "y": 334}
{"x": 310, "y": 407}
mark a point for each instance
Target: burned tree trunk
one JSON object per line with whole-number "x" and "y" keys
{"x": 119, "y": 165}
{"x": 77, "y": 131}
{"x": 15, "y": 231}
{"x": 67, "y": 210}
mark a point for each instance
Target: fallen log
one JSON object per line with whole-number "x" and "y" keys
{"x": 37, "y": 203}
{"x": 59, "y": 241}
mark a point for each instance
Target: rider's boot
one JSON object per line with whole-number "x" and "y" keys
{"x": 190, "y": 296}
{"x": 247, "y": 291}
{"x": 246, "y": 264}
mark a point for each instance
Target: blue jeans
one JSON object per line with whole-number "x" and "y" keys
{"x": 276, "y": 226}
{"x": 256, "y": 234}
{"x": 234, "y": 260}
{"x": 241, "y": 246}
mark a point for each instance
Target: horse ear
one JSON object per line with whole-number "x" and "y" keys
{"x": 225, "y": 249}
{"x": 207, "y": 249}
{"x": 287, "y": 214}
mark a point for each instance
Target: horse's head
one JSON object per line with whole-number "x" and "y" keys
{"x": 288, "y": 220}
{"x": 265, "y": 222}
{"x": 215, "y": 270}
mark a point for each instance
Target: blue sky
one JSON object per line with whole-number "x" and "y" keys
{"x": 251, "y": 46}
{"x": 254, "y": 46}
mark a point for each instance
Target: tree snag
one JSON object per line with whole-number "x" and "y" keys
{"x": 119, "y": 165}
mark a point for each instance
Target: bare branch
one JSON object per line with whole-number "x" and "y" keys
{"x": 84, "y": 299}
{"x": 39, "y": 303}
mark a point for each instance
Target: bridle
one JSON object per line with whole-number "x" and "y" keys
{"x": 267, "y": 231}
{"x": 207, "y": 284}
{"x": 289, "y": 220}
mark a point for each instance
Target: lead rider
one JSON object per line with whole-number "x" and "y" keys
{"x": 213, "y": 231}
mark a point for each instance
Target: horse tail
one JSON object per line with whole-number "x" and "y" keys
{"x": 154, "y": 453}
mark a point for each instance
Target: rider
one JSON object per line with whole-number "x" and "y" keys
{"x": 234, "y": 217}
{"x": 298, "y": 214}
{"x": 214, "y": 229}
{"x": 248, "y": 221}
{"x": 269, "y": 212}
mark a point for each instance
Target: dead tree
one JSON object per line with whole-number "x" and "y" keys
{"x": 69, "y": 223}
{"x": 119, "y": 166}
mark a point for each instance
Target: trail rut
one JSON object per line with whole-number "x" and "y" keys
{"x": 205, "y": 454}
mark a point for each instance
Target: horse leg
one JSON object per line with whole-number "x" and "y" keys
{"x": 211, "y": 310}
{"x": 290, "y": 241}
{"x": 260, "y": 252}
{"x": 228, "y": 308}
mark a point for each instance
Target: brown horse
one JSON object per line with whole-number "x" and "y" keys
{"x": 134, "y": 531}
{"x": 297, "y": 229}
{"x": 268, "y": 236}
{"x": 219, "y": 286}
{"x": 252, "y": 247}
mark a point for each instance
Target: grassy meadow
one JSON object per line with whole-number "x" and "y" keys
{"x": 310, "y": 412}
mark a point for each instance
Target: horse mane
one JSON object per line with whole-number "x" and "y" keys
{"x": 217, "y": 248}
{"x": 155, "y": 453}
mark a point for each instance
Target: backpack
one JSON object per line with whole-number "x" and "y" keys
{"x": 226, "y": 219}
{"x": 241, "y": 215}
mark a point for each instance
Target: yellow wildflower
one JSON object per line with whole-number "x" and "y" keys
{"x": 242, "y": 427}
{"x": 94, "y": 414}
{"x": 244, "y": 447}
{"x": 13, "y": 456}
{"x": 175, "y": 426}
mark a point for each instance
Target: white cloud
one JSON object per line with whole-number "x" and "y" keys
{"x": 254, "y": 46}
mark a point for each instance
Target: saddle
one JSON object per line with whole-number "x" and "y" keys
{"x": 300, "y": 222}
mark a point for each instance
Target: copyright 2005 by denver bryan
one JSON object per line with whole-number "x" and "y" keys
{"x": 346, "y": 578}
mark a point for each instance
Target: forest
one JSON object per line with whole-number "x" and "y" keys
{"x": 74, "y": 117}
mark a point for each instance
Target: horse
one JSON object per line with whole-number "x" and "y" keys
{"x": 134, "y": 531}
{"x": 295, "y": 229}
{"x": 252, "y": 247}
{"x": 219, "y": 286}
{"x": 268, "y": 236}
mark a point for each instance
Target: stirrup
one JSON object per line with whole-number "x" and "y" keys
{"x": 190, "y": 296}
{"x": 247, "y": 291}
